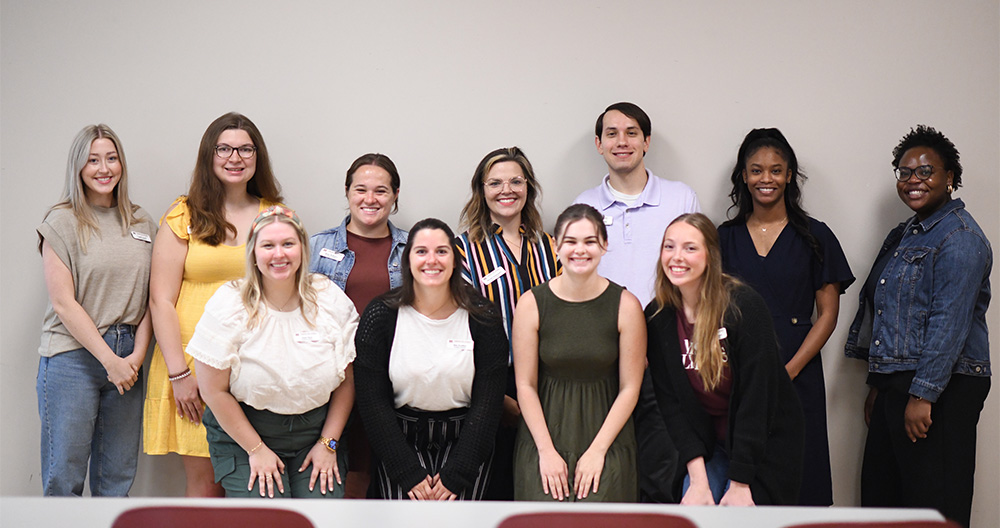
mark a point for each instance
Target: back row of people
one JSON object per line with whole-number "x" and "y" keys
{"x": 713, "y": 357}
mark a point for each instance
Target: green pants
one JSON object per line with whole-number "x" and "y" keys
{"x": 291, "y": 437}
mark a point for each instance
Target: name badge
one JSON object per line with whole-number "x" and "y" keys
{"x": 307, "y": 336}
{"x": 722, "y": 333}
{"x": 331, "y": 254}
{"x": 141, "y": 236}
{"x": 461, "y": 345}
{"x": 494, "y": 275}
{"x": 608, "y": 220}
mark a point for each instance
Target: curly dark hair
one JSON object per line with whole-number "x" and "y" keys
{"x": 925, "y": 136}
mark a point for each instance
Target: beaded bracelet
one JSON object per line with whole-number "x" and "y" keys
{"x": 182, "y": 375}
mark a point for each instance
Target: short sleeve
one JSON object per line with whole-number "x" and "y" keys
{"x": 338, "y": 317}
{"x": 834, "y": 268}
{"x": 60, "y": 234}
{"x": 178, "y": 218}
{"x": 221, "y": 329}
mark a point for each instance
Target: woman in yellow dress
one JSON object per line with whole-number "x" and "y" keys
{"x": 203, "y": 248}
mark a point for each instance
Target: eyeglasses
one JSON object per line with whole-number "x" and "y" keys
{"x": 225, "y": 151}
{"x": 923, "y": 172}
{"x": 516, "y": 184}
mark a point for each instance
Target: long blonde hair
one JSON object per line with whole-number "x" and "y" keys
{"x": 713, "y": 301}
{"x": 251, "y": 291}
{"x": 74, "y": 196}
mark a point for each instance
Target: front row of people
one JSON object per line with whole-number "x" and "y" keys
{"x": 276, "y": 352}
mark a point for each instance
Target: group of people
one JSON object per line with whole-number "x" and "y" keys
{"x": 635, "y": 353}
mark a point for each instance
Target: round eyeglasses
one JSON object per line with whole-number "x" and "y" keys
{"x": 225, "y": 151}
{"x": 923, "y": 172}
{"x": 516, "y": 184}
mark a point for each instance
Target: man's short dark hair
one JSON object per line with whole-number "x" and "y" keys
{"x": 630, "y": 110}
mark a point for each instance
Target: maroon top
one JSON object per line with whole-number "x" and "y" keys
{"x": 715, "y": 402}
{"x": 369, "y": 276}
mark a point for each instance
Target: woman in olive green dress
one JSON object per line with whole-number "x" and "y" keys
{"x": 579, "y": 349}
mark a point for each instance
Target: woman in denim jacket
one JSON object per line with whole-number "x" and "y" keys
{"x": 921, "y": 325}
{"x": 362, "y": 255}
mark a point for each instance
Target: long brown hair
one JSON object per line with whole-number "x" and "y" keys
{"x": 463, "y": 293}
{"x": 713, "y": 301}
{"x": 74, "y": 197}
{"x": 476, "y": 214}
{"x": 207, "y": 194}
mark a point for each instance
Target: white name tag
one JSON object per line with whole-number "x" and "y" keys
{"x": 722, "y": 333}
{"x": 494, "y": 275}
{"x": 608, "y": 220}
{"x": 141, "y": 236}
{"x": 307, "y": 336}
{"x": 331, "y": 254}
{"x": 462, "y": 345}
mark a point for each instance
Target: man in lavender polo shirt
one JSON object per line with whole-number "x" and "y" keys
{"x": 637, "y": 206}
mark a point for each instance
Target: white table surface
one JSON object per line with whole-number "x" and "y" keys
{"x": 101, "y": 512}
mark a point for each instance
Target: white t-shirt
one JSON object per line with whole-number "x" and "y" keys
{"x": 282, "y": 365}
{"x": 431, "y": 363}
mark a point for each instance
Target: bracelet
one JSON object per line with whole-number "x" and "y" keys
{"x": 330, "y": 443}
{"x": 178, "y": 377}
{"x": 256, "y": 447}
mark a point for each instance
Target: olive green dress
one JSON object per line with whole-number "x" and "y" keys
{"x": 577, "y": 384}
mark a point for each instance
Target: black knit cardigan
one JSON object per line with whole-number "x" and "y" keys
{"x": 375, "y": 401}
{"x": 765, "y": 432}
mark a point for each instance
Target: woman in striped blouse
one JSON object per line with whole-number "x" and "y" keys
{"x": 505, "y": 253}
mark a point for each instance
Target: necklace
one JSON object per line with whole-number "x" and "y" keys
{"x": 779, "y": 223}
{"x": 288, "y": 304}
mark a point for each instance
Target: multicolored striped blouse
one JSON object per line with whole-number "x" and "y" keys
{"x": 491, "y": 268}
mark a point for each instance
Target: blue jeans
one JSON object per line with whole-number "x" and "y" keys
{"x": 83, "y": 417}
{"x": 718, "y": 475}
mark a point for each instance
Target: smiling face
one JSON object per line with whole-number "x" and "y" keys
{"x": 101, "y": 173}
{"x": 234, "y": 170}
{"x": 684, "y": 256}
{"x": 432, "y": 260}
{"x": 580, "y": 247}
{"x": 766, "y": 175}
{"x": 924, "y": 196}
{"x": 370, "y": 199}
{"x": 506, "y": 201}
{"x": 278, "y": 252}
{"x": 621, "y": 143}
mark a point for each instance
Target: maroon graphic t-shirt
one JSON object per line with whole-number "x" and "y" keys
{"x": 716, "y": 401}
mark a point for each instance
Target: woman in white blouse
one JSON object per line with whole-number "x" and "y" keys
{"x": 431, "y": 367}
{"x": 274, "y": 353}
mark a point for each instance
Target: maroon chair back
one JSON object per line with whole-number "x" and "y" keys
{"x": 595, "y": 520}
{"x": 213, "y": 517}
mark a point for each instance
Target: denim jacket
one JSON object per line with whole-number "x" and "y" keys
{"x": 335, "y": 239}
{"x": 930, "y": 303}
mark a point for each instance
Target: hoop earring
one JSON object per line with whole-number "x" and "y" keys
{"x": 950, "y": 189}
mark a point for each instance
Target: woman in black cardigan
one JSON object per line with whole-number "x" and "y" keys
{"x": 430, "y": 374}
{"x": 727, "y": 400}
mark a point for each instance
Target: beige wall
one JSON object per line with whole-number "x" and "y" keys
{"x": 435, "y": 85}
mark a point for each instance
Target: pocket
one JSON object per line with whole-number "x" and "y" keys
{"x": 223, "y": 466}
{"x": 914, "y": 257}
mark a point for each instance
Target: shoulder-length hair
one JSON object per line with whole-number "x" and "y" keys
{"x": 463, "y": 294}
{"x": 713, "y": 301}
{"x": 755, "y": 140}
{"x": 74, "y": 195}
{"x": 207, "y": 194}
{"x": 476, "y": 214}
{"x": 251, "y": 286}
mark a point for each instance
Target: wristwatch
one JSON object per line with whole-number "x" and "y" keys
{"x": 330, "y": 443}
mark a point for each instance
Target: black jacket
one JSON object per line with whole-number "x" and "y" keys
{"x": 765, "y": 433}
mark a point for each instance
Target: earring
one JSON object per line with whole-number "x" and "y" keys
{"x": 950, "y": 189}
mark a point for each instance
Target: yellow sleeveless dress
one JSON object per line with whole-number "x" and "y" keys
{"x": 205, "y": 269}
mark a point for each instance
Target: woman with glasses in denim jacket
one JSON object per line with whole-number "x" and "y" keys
{"x": 362, "y": 255}
{"x": 927, "y": 344}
